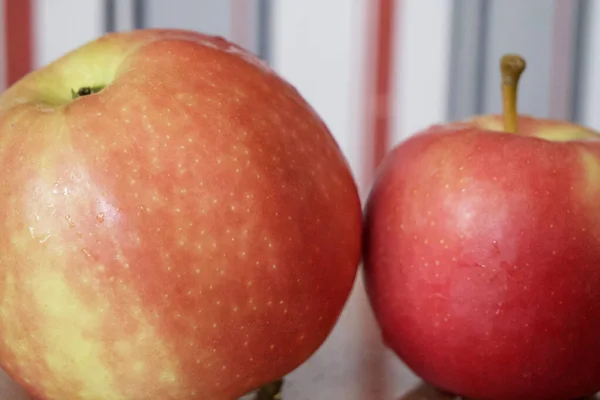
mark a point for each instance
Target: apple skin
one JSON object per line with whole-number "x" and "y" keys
{"x": 482, "y": 258}
{"x": 192, "y": 231}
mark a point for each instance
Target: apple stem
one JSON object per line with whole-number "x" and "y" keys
{"x": 270, "y": 391}
{"x": 511, "y": 68}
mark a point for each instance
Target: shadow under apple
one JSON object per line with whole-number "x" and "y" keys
{"x": 423, "y": 391}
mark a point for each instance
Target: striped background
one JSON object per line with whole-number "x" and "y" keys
{"x": 376, "y": 70}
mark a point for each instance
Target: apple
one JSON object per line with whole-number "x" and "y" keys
{"x": 482, "y": 255}
{"x": 176, "y": 222}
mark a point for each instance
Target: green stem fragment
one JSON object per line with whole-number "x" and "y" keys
{"x": 85, "y": 91}
{"x": 270, "y": 391}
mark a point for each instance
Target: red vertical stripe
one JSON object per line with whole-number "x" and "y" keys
{"x": 379, "y": 77}
{"x": 18, "y": 39}
{"x": 375, "y": 382}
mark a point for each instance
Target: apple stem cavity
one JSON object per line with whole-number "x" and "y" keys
{"x": 511, "y": 68}
{"x": 86, "y": 91}
{"x": 270, "y": 391}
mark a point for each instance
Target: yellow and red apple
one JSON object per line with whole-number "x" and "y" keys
{"x": 482, "y": 256}
{"x": 176, "y": 222}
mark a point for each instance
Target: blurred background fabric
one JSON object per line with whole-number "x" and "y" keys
{"x": 376, "y": 71}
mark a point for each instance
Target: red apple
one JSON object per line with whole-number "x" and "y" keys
{"x": 183, "y": 227}
{"x": 482, "y": 258}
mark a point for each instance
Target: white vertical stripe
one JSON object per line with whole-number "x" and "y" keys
{"x": 320, "y": 47}
{"x": 207, "y": 16}
{"x": 3, "y": 57}
{"x": 244, "y": 24}
{"x": 63, "y": 25}
{"x": 317, "y": 45}
{"x": 421, "y": 81}
{"x": 423, "y": 37}
{"x": 236, "y": 20}
{"x": 590, "y": 87}
{"x": 124, "y": 15}
{"x": 562, "y": 58}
